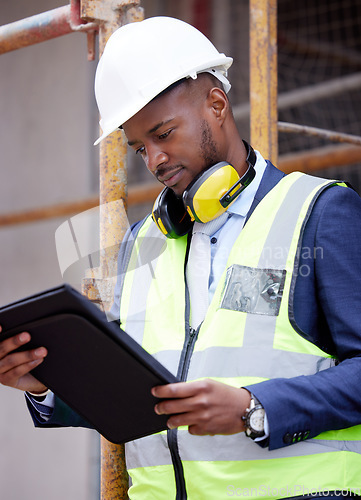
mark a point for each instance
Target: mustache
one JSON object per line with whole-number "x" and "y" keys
{"x": 162, "y": 171}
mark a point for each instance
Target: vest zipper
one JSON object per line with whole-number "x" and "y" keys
{"x": 186, "y": 354}
{"x": 181, "y": 491}
{"x": 188, "y": 351}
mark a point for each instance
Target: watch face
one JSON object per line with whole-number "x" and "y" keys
{"x": 256, "y": 420}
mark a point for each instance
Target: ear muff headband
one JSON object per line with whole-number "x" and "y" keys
{"x": 204, "y": 199}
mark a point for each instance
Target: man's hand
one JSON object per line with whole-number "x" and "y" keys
{"x": 15, "y": 366}
{"x": 207, "y": 407}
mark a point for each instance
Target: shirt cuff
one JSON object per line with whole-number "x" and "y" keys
{"x": 260, "y": 440}
{"x": 39, "y": 395}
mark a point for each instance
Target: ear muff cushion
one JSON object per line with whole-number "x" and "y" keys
{"x": 202, "y": 196}
{"x": 170, "y": 215}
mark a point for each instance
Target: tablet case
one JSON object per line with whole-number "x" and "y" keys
{"x": 92, "y": 365}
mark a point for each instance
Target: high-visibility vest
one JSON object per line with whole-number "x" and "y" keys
{"x": 246, "y": 338}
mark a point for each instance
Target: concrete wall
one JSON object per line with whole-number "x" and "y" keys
{"x": 48, "y": 124}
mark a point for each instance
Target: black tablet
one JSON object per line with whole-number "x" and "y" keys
{"x": 92, "y": 365}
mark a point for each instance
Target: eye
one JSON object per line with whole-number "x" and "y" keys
{"x": 140, "y": 150}
{"x": 165, "y": 134}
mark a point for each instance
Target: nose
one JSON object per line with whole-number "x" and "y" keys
{"x": 155, "y": 157}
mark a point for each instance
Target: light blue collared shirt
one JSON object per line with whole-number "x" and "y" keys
{"x": 228, "y": 233}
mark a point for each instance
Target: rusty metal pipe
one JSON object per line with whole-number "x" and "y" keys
{"x": 35, "y": 29}
{"x": 303, "y": 161}
{"x": 140, "y": 193}
{"x": 263, "y": 76}
{"x": 319, "y": 132}
{"x": 42, "y": 27}
{"x": 308, "y": 94}
{"x": 320, "y": 158}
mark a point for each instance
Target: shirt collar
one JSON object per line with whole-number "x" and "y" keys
{"x": 243, "y": 203}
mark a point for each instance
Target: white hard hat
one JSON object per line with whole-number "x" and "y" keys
{"x": 142, "y": 59}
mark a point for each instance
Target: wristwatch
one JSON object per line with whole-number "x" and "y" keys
{"x": 254, "y": 419}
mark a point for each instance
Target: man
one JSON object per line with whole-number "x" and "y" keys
{"x": 271, "y": 402}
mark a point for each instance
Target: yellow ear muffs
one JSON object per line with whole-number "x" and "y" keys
{"x": 204, "y": 199}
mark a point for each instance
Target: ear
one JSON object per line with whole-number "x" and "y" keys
{"x": 218, "y": 104}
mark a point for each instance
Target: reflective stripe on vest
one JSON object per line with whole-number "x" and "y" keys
{"x": 246, "y": 338}
{"x": 231, "y": 448}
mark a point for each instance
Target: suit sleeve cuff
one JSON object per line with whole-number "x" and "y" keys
{"x": 43, "y": 409}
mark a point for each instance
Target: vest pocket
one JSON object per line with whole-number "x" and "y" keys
{"x": 253, "y": 290}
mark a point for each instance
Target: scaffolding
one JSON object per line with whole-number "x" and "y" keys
{"x": 102, "y": 17}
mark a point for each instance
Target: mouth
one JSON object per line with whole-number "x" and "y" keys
{"x": 171, "y": 178}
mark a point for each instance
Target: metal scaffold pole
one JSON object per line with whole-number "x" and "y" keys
{"x": 99, "y": 286}
{"x": 263, "y": 77}
{"x": 90, "y": 16}
{"x": 46, "y": 26}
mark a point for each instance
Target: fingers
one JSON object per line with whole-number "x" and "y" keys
{"x": 207, "y": 407}
{"x": 15, "y": 366}
{"x": 176, "y": 399}
{"x": 12, "y": 343}
{"x": 197, "y": 422}
{"x": 191, "y": 403}
{"x": 31, "y": 358}
{"x": 180, "y": 399}
{"x": 13, "y": 361}
{"x": 14, "y": 377}
{"x": 179, "y": 390}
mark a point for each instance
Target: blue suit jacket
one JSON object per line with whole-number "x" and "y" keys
{"x": 326, "y": 311}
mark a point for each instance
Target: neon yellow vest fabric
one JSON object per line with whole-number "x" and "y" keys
{"x": 245, "y": 338}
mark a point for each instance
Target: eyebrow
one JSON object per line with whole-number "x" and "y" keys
{"x": 152, "y": 130}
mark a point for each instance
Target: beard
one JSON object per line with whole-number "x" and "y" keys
{"x": 207, "y": 151}
{"x": 208, "y": 147}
